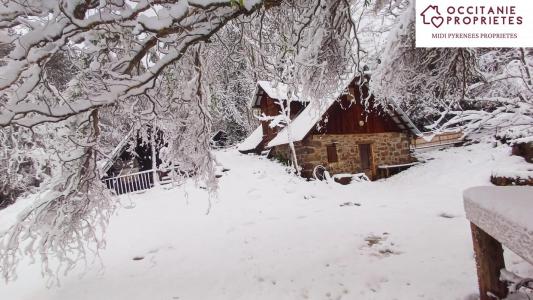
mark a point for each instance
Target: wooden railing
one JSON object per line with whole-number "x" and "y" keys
{"x": 140, "y": 181}
{"x": 129, "y": 183}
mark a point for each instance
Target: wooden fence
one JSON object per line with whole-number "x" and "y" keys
{"x": 442, "y": 139}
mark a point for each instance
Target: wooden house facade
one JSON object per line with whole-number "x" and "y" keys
{"x": 345, "y": 135}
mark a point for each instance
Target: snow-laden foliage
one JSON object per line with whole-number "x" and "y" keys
{"x": 69, "y": 218}
{"x": 505, "y": 100}
{"x": 232, "y": 83}
{"x": 457, "y": 88}
{"x": 76, "y": 76}
{"x": 309, "y": 54}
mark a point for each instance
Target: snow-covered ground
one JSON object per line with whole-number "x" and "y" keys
{"x": 271, "y": 235}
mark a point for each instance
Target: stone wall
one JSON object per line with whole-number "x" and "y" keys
{"x": 388, "y": 148}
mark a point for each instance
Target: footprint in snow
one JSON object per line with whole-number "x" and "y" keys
{"x": 447, "y": 215}
{"x": 155, "y": 250}
{"x": 375, "y": 284}
{"x": 380, "y": 247}
{"x": 151, "y": 253}
{"x": 387, "y": 251}
{"x": 288, "y": 190}
{"x": 252, "y": 190}
{"x": 374, "y": 239}
{"x": 350, "y": 204}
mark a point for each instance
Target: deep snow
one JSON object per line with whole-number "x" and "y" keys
{"x": 271, "y": 235}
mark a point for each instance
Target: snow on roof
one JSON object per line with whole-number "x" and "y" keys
{"x": 106, "y": 164}
{"x": 312, "y": 114}
{"x": 278, "y": 91}
{"x": 251, "y": 142}
{"x": 402, "y": 120}
{"x": 304, "y": 122}
{"x": 504, "y": 213}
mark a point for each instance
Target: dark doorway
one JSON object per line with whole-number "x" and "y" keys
{"x": 332, "y": 153}
{"x": 365, "y": 156}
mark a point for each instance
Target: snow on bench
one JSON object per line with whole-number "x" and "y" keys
{"x": 398, "y": 166}
{"x": 384, "y": 171}
{"x": 499, "y": 215}
{"x": 506, "y": 213}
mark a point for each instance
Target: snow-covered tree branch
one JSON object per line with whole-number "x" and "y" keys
{"x": 75, "y": 74}
{"x": 126, "y": 44}
{"x": 78, "y": 75}
{"x": 457, "y": 88}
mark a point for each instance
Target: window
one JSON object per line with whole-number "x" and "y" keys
{"x": 332, "y": 153}
{"x": 365, "y": 156}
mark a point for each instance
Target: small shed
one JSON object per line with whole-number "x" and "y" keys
{"x": 133, "y": 155}
{"x": 219, "y": 139}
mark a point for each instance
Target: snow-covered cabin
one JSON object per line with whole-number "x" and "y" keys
{"x": 219, "y": 139}
{"x": 344, "y": 134}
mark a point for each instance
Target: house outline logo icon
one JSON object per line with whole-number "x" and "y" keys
{"x": 431, "y": 15}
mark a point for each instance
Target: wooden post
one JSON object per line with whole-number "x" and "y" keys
{"x": 489, "y": 262}
{"x": 153, "y": 140}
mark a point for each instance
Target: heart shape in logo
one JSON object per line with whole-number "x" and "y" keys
{"x": 437, "y": 21}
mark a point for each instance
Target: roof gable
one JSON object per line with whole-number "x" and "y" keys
{"x": 315, "y": 111}
{"x": 275, "y": 90}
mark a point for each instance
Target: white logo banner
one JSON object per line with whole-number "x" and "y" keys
{"x": 474, "y": 23}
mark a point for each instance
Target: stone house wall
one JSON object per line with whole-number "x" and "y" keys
{"x": 387, "y": 148}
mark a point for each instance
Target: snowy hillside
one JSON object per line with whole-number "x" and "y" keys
{"x": 271, "y": 235}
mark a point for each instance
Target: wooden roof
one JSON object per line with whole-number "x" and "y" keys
{"x": 315, "y": 112}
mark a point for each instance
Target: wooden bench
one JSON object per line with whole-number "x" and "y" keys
{"x": 499, "y": 215}
{"x": 386, "y": 171}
